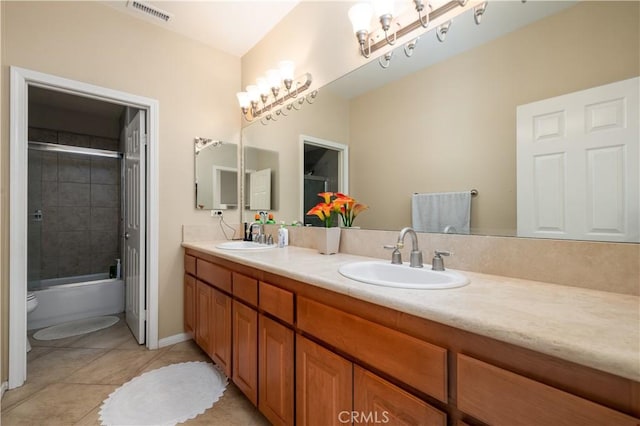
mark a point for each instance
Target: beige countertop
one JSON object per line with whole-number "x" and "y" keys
{"x": 592, "y": 328}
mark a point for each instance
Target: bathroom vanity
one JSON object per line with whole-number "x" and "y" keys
{"x": 308, "y": 346}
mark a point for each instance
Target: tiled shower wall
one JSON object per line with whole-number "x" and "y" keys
{"x": 79, "y": 196}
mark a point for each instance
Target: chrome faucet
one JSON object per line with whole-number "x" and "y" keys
{"x": 416, "y": 255}
{"x": 259, "y": 236}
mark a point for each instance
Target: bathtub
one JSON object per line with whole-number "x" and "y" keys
{"x": 72, "y": 298}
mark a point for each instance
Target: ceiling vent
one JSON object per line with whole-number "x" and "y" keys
{"x": 149, "y": 10}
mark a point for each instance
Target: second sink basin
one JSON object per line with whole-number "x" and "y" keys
{"x": 386, "y": 274}
{"x": 244, "y": 245}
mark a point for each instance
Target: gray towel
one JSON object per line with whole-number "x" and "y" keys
{"x": 448, "y": 212}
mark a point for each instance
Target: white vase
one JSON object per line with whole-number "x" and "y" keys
{"x": 328, "y": 240}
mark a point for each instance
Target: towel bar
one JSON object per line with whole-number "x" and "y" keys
{"x": 474, "y": 192}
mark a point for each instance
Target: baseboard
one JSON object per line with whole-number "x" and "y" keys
{"x": 3, "y": 388}
{"x": 172, "y": 340}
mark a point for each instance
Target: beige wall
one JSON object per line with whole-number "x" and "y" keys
{"x": 451, "y": 127}
{"x": 326, "y": 118}
{"x": 194, "y": 84}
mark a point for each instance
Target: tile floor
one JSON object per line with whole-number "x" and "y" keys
{"x": 69, "y": 378}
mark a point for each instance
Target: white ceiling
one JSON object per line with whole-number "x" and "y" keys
{"x": 232, "y": 26}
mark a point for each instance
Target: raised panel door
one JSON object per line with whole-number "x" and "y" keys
{"x": 189, "y": 303}
{"x": 376, "y": 401}
{"x": 220, "y": 324}
{"x": 245, "y": 350}
{"x": 203, "y": 316}
{"x": 276, "y": 357}
{"x": 324, "y": 385}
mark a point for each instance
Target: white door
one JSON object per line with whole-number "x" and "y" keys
{"x": 134, "y": 228}
{"x": 260, "y": 187}
{"x": 577, "y": 165}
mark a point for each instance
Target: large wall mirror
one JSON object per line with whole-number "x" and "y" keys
{"x": 444, "y": 119}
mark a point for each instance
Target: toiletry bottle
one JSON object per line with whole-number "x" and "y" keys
{"x": 118, "y": 269}
{"x": 270, "y": 220}
{"x": 283, "y": 236}
{"x": 247, "y": 232}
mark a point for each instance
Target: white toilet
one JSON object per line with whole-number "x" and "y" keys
{"x": 32, "y": 303}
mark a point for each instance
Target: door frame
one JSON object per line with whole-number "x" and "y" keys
{"x": 343, "y": 169}
{"x": 21, "y": 79}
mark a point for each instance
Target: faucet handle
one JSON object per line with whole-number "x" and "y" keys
{"x": 437, "y": 264}
{"x": 396, "y": 256}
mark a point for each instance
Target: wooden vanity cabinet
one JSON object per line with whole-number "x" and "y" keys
{"x": 308, "y": 356}
{"x": 207, "y": 310}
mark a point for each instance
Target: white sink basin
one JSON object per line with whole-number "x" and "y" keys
{"x": 386, "y": 274}
{"x": 244, "y": 245}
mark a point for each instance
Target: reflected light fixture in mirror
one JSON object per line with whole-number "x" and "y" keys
{"x": 424, "y": 16}
{"x": 275, "y": 94}
{"x": 202, "y": 143}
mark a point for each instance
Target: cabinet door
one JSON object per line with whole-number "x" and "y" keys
{"x": 276, "y": 372}
{"x": 203, "y": 315}
{"x": 189, "y": 303}
{"x": 220, "y": 324}
{"x": 245, "y": 350}
{"x": 377, "y": 401}
{"x": 324, "y": 385}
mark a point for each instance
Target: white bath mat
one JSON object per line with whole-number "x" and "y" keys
{"x": 166, "y": 396}
{"x": 75, "y": 328}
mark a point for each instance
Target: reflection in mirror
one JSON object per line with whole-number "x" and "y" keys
{"x": 261, "y": 179}
{"x": 324, "y": 170}
{"x": 448, "y": 123}
{"x": 216, "y": 175}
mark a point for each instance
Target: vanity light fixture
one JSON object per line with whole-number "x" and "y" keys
{"x": 202, "y": 143}
{"x": 275, "y": 94}
{"x": 426, "y": 15}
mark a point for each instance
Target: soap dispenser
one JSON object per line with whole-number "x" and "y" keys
{"x": 283, "y": 236}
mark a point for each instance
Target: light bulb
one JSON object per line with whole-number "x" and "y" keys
{"x": 243, "y": 99}
{"x": 383, "y": 7}
{"x": 263, "y": 86}
{"x": 254, "y": 93}
{"x": 360, "y": 16}
{"x": 273, "y": 78}
{"x": 286, "y": 70}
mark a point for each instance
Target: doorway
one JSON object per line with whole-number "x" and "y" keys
{"x": 325, "y": 168}
{"x": 22, "y": 81}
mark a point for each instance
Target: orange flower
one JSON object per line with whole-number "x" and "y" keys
{"x": 343, "y": 205}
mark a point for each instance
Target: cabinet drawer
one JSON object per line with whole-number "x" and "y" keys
{"x": 245, "y": 288}
{"x": 189, "y": 264}
{"x": 412, "y": 361}
{"x": 214, "y": 274}
{"x": 276, "y": 301}
{"x": 500, "y": 397}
